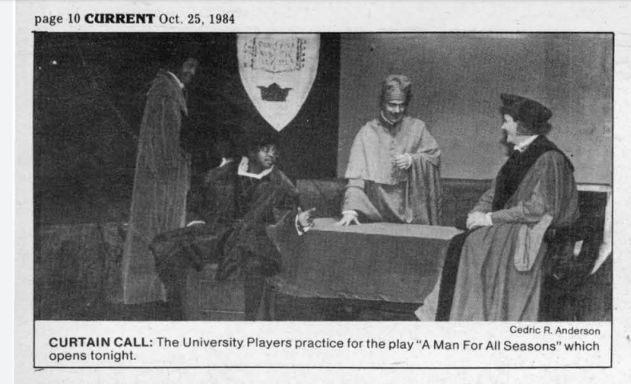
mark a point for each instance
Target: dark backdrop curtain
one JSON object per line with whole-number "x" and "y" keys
{"x": 89, "y": 95}
{"x": 219, "y": 102}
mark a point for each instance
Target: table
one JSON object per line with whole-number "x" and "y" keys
{"x": 397, "y": 263}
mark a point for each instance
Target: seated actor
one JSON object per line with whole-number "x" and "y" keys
{"x": 228, "y": 213}
{"x": 393, "y": 168}
{"x": 499, "y": 259}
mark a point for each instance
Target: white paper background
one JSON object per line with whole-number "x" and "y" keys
{"x": 582, "y": 16}
{"x": 405, "y": 344}
{"x": 6, "y": 199}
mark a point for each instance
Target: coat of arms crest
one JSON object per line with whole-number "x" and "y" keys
{"x": 277, "y": 72}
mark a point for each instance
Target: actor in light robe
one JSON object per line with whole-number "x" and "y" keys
{"x": 161, "y": 182}
{"x": 500, "y": 270}
{"x": 229, "y": 212}
{"x": 393, "y": 169}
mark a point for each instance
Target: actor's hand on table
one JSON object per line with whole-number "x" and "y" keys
{"x": 348, "y": 218}
{"x": 305, "y": 219}
{"x": 403, "y": 161}
{"x": 478, "y": 219}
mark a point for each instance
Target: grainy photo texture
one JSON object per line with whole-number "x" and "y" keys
{"x": 333, "y": 176}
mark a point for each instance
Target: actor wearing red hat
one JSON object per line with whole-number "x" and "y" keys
{"x": 393, "y": 168}
{"x": 499, "y": 272}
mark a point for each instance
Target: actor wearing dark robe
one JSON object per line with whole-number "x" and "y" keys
{"x": 229, "y": 211}
{"x": 161, "y": 182}
{"x": 393, "y": 169}
{"x": 499, "y": 272}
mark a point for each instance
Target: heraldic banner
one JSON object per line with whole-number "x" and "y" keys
{"x": 277, "y": 72}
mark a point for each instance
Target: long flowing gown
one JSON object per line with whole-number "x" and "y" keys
{"x": 161, "y": 182}
{"x": 500, "y": 270}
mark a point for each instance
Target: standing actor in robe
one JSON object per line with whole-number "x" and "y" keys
{"x": 500, "y": 269}
{"x": 161, "y": 181}
{"x": 393, "y": 169}
{"x": 229, "y": 212}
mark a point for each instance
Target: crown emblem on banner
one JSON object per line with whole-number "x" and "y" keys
{"x": 274, "y": 92}
{"x": 270, "y": 61}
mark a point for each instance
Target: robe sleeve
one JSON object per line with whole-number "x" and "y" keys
{"x": 283, "y": 232}
{"x": 428, "y": 149}
{"x": 424, "y": 187}
{"x": 285, "y": 206}
{"x": 356, "y": 168}
{"x": 196, "y": 199}
{"x": 425, "y": 192}
{"x": 355, "y": 199}
{"x": 485, "y": 203}
{"x": 211, "y": 199}
{"x": 553, "y": 194}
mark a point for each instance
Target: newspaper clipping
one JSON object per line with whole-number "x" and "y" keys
{"x": 320, "y": 191}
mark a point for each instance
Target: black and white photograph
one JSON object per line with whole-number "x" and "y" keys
{"x": 350, "y": 191}
{"x": 323, "y": 176}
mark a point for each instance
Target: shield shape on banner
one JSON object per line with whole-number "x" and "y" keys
{"x": 277, "y": 72}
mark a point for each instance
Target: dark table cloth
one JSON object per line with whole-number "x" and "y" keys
{"x": 398, "y": 263}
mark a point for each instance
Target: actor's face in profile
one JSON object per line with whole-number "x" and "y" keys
{"x": 394, "y": 110}
{"x": 189, "y": 68}
{"x": 267, "y": 156}
{"x": 509, "y": 128}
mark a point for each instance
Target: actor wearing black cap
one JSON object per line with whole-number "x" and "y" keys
{"x": 499, "y": 272}
{"x": 228, "y": 213}
{"x": 393, "y": 168}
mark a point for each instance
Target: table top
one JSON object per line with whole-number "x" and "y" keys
{"x": 388, "y": 229}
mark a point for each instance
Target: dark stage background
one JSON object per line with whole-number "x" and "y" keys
{"x": 89, "y": 96}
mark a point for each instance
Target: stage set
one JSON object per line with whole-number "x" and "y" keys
{"x": 90, "y": 93}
